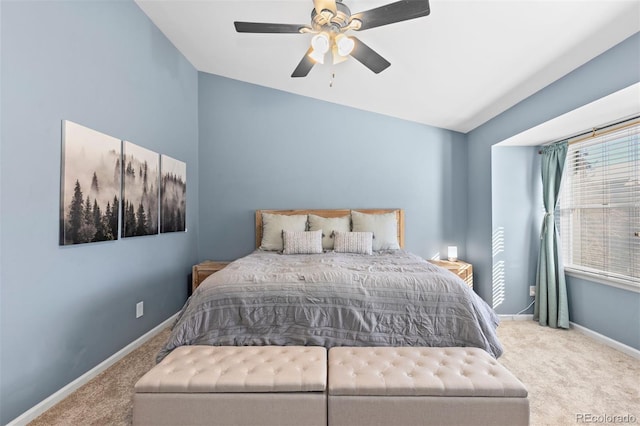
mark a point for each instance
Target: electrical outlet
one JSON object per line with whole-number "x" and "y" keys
{"x": 139, "y": 309}
{"x": 532, "y": 290}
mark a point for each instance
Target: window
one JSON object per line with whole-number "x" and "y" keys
{"x": 598, "y": 213}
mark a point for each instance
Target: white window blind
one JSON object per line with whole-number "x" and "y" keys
{"x": 598, "y": 213}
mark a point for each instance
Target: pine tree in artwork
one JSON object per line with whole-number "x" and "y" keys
{"x": 168, "y": 219}
{"x": 144, "y": 177}
{"x": 88, "y": 211}
{"x": 75, "y": 215}
{"x": 129, "y": 220}
{"x": 132, "y": 219}
{"x": 95, "y": 189}
{"x": 123, "y": 228}
{"x": 125, "y": 219}
{"x": 179, "y": 224}
{"x": 153, "y": 209}
{"x": 174, "y": 221}
{"x": 141, "y": 220}
{"x": 130, "y": 171}
{"x": 113, "y": 219}
{"x": 107, "y": 220}
{"x": 87, "y": 229}
{"x": 98, "y": 223}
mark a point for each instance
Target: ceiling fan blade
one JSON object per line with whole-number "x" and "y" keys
{"x": 392, "y": 13}
{"x": 320, "y": 5}
{"x": 262, "y": 27}
{"x": 368, "y": 57}
{"x": 304, "y": 66}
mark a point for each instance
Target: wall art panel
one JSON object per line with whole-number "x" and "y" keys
{"x": 140, "y": 192}
{"x": 173, "y": 195}
{"x": 90, "y": 185}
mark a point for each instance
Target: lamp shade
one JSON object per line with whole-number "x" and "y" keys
{"x": 452, "y": 253}
{"x": 337, "y": 58}
{"x": 317, "y": 56}
{"x": 320, "y": 45}
{"x": 345, "y": 45}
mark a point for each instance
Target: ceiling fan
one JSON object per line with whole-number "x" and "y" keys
{"x": 330, "y": 20}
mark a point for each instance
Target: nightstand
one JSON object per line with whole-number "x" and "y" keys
{"x": 462, "y": 269}
{"x": 203, "y": 270}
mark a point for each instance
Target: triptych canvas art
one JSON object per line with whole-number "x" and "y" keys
{"x": 109, "y": 185}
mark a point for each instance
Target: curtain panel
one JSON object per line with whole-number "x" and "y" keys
{"x": 551, "y": 306}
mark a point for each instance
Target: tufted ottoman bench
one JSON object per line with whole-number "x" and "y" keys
{"x": 422, "y": 386}
{"x": 229, "y": 385}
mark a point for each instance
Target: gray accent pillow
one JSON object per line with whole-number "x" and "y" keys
{"x": 353, "y": 242}
{"x": 384, "y": 227}
{"x": 274, "y": 224}
{"x": 302, "y": 242}
{"x": 329, "y": 225}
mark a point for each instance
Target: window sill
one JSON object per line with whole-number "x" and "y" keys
{"x": 610, "y": 281}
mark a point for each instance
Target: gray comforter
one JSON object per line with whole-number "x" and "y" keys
{"x": 335, "y": 299}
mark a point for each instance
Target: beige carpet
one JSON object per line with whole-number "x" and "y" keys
{"x": 568, "y": 375}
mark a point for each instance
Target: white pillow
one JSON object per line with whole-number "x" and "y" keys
{"x": 274, "y": 224}
{"x": 329, "y": 225}
{"x": 302, "y": 242}
{"x": 384, "y": 227}
{"x": 353, "y": 242}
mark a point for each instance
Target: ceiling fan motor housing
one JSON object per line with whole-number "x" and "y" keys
{"x": 327, "y": 21}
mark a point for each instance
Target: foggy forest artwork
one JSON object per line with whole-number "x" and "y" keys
{"x": 173, "y": 195}
{"x": 90, "y": 185}
{"x": 140, "y": 191}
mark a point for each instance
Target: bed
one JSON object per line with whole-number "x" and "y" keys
{"x": 338, "y": 297}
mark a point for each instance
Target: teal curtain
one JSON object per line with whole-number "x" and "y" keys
{"x": 551, "y": 307}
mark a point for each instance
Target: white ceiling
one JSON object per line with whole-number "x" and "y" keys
{"x": 462, "y": 65}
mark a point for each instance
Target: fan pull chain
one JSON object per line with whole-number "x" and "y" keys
{"x": 333, "y": 75}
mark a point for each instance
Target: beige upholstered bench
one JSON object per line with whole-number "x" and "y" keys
{"x": 422, "y": 386}
{"x": 245, "y": 385}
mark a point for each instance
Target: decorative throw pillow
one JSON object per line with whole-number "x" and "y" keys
{"x": 384, "y": 227}
{"x": 274, "y": 224}
{"x": 329, "y": 225}
{"x": 302, "y": 242}
{"x": 353, "y": 242}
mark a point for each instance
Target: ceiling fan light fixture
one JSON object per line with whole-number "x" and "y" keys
{"x": 345, "y": 45}
{"x": 317, "y": 56}
{"x": 320, "y": 45}
{"x": 337, "y": 57}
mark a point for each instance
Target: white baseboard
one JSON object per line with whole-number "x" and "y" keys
{"x": 632, "y": 352}
{"x": 67, "y": 390}
{"x": 516, "y": 317}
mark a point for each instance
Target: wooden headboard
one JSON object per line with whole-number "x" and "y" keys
{"x": 331, "y": 213}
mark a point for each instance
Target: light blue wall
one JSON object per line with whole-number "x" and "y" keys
{"x": 517, "y": 213}
{"x": 64, "y": 310}
{"x": 613, "y": 70}
{"x": 265, "y": 149}
{"x": 610, "y": 311}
